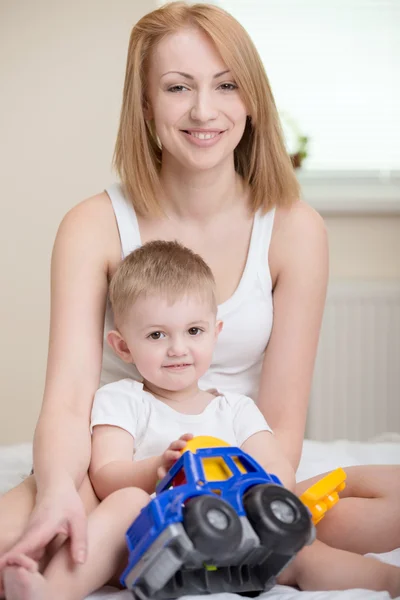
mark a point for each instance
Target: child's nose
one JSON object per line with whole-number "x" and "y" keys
{"x": 177, "y": 347}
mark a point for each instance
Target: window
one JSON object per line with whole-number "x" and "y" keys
{"x": 334, "y": 68}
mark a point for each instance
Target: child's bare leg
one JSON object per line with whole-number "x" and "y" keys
{"x": 320, "y": 567}
{"x": 367, "y": 518}
{"x": 107, "y": 525}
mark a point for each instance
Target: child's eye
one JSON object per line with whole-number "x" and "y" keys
{"x": 156, "y": 335}
{"x": 194, "y": 331}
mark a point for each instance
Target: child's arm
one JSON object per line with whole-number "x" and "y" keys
{"x": 264, "y": 447}
{"x": 112, "y": 468}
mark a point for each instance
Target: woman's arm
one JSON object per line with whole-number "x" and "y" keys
{"x": 267, "y": 452}
{"x": 299, "y": 265}
{"x": 87, "y": 247}
{"x": 86, "y": 243}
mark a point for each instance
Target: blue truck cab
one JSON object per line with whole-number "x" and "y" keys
{"x": 218, "y": 522}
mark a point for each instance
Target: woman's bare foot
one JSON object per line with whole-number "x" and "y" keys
{"x": 21, "y": 584}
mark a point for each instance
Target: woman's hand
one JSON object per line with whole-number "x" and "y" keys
{"x": 172, "y": 454}
{"x": 59, "y": 510}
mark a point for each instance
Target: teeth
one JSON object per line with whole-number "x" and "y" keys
{"x": 203, "y": 136}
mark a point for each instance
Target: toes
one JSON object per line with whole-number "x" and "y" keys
{"x": 14, "y": 583}
{"x": 20, "y": 584}
{"x": 21, "y": 560}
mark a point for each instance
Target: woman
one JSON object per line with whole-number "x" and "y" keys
{"x": 201, "y": 159}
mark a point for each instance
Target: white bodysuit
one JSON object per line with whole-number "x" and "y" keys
{"x": 153, "y": 424}
{"x": 247, "y": 315}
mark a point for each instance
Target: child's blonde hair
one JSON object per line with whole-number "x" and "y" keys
{"x": 260, "y": 157}
{"x": 160, "y": 268}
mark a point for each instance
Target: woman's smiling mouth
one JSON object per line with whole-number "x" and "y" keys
{"x": 203, "y": 138}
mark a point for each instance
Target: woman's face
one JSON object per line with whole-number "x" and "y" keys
{"x": 194, "y": 101}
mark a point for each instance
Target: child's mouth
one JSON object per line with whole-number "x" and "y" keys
{"x": 177, "y": 367}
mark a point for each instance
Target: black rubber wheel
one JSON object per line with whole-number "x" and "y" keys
{"x": 279, "y": 518}
{"x": 213, "y": 526}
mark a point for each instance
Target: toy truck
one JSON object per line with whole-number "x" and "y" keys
{"x": 218, "y": 523}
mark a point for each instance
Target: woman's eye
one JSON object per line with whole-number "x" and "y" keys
{"x": 228, "y": 87}
{"x": 156, "y": 335}
{"x": 177, "y": 88}
{"x": 194, "y": 331}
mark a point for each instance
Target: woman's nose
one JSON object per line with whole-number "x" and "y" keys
{"x": 204, "y": 108}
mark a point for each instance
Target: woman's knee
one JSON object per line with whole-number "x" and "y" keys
{"x": 373, "y": 481}
{"x": 364, "y": 481}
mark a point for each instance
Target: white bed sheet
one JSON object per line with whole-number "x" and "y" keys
{"x": 15, "y": 463}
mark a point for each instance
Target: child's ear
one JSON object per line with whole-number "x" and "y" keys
{"x": 118, "y": 344}
{"x": 218, "y": 328}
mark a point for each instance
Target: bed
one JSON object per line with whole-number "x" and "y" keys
{"x": 15, "y": 462}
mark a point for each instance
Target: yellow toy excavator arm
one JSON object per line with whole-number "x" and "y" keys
{"x": 323, "y": 495}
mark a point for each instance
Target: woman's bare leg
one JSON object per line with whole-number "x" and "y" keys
{"x": 320, "y": 567}
{"x": 367, "y": 518}
{"x": 15, "y": 509}
{"x": 107, "y": 550}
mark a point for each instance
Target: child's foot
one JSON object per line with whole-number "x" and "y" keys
{"x": 21, "y": 584}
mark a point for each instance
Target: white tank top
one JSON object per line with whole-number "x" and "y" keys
{"x": 247, "y": 315}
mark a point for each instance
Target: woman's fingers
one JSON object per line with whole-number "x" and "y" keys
{"x": 78, "y": 535}
{"x": 36, "y": 537}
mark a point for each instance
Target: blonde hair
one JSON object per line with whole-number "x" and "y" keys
{"x": 160, "y": 268}
{"x": 260, "y": 157}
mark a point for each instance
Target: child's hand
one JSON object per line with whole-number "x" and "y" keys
{"x": 172, "y": 454}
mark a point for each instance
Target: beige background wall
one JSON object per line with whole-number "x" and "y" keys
{"x": 61, "y": 76}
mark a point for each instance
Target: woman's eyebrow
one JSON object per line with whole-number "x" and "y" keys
{"x": 187, "y": 76}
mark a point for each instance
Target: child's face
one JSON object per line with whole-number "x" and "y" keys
{"x": 171, "y": 344}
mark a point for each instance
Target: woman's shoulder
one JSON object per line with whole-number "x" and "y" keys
{"x": 91, "y": 225}
{"x": 94, "y": 211}
{"x": 298, "y": 231}
{"x": 298, "y": 219}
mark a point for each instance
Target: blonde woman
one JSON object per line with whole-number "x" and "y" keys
{"x": 201, "y": 159}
